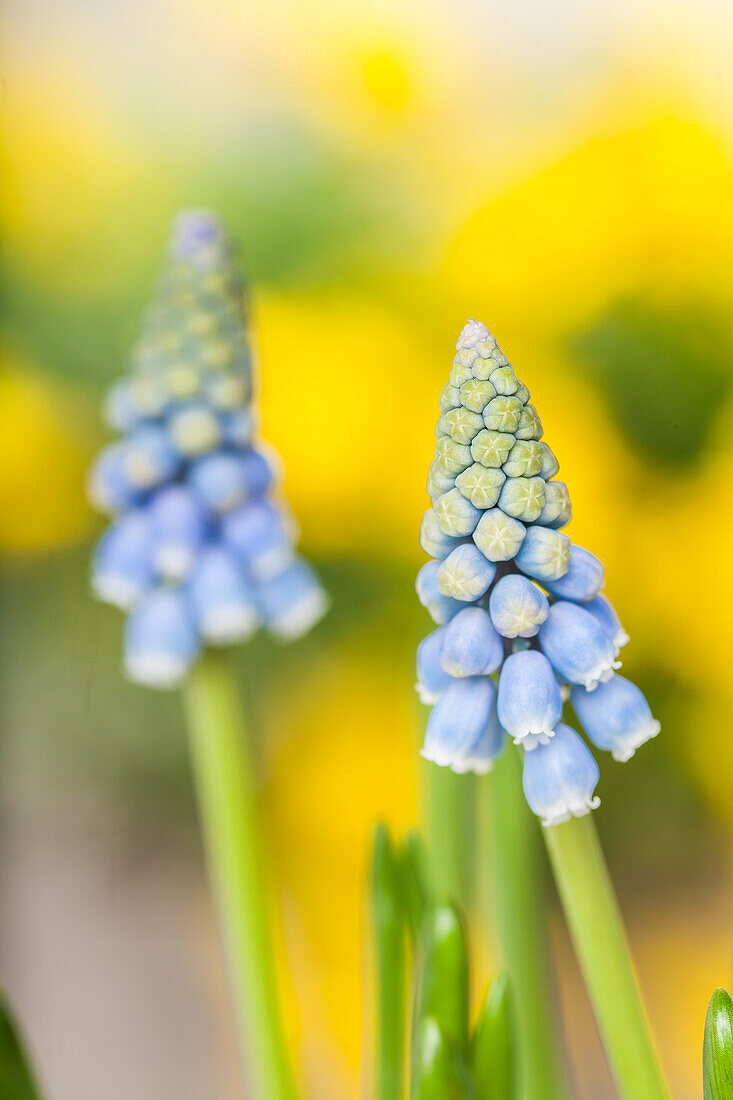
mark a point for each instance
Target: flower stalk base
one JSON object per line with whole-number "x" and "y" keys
{"x": 519, "y": 898}
{"x": 596, "y": 927}
{"x": 230, "y": 824}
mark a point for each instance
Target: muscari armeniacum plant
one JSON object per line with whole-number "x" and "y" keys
{"x": 201, "y": 553}
{"x": 522, "y": 626}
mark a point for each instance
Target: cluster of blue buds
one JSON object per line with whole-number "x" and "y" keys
{"x": 521, "y": 623}
{"x": 199, "y": 551}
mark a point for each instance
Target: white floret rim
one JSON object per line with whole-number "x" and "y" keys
{"x": 115, "y": 589}
{"x": 578, "y": 808}
{"x": 635, "y": 738}
{"x": 157, "y": 669}
{"x": 229, "y": 623}
{"x": 460, "y": 767}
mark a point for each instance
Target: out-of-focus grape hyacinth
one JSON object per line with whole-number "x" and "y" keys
{"x": 521, "y": 622}
{"x": 199, "y": 550}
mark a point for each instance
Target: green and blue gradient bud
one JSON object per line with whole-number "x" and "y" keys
{"x": 200, "y": 550}
{"x": 522, "y": 624}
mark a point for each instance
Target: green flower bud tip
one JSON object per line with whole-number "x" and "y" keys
{"x": 502, "y": 414}
{"x": 491, "y": 448}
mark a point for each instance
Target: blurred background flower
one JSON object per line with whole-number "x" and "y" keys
{"x": 564, "y": 172}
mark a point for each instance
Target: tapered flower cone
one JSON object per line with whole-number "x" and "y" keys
{"x": 521, "y": 623}
{"x": 200, "y": 551}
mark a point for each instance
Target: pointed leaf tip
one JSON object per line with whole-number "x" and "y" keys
{"x": 16, "y": 1077}
{"x": 717, "y": 1051}
{"x": 445, "y": 983}
{"x": 439, "y": 1070}
{"x": 493, "y": 1054}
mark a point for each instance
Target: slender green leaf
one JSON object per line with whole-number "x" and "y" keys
{"x": 415, "y": 882}
{"x": 717, "y": 1048}
{"x": 445, "y": 981}
{"x": 389, "y": 939}
{"x": 493, "y": 1045}
{"x": 16, "y": 1078}
{"x": 439, "y": 1070}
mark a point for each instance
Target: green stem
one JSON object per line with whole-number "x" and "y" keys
{"x": 597, "y": 930}
{"x": 449, "y": 814}
{"x": 229, "y": 813}
{"x": 520, "y": 904}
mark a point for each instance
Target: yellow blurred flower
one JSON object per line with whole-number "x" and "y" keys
{"x": 45, "y": 448}
{"x": 78, "y": 196}
{"x": 634, "y": 207}
{"x": 349, "y": 398}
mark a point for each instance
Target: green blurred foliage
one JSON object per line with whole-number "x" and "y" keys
{"x": 664, "y": 372}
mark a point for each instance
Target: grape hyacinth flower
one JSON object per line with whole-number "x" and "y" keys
{"x": 200, "y": 551}
{"x": 199, "y": 554}
{"x": 516, "y": 600}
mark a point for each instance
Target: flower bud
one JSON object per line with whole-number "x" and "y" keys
{"x": 523, "y": 498}
{"x": 432, "y": 680}
{"x": 120, "y": 408}
{"x": 559, "y": 778}
{"x": 517, "y": 607}
{"x": 484, "y": 366}
{"x": 503, "y": 380}
{"x": 465, "y": 574}
{"x": 237, "y": 427}
{"x": 261, "y": 536}
{"x": 441, "y": 607}
{"x": 480, "y": 485}
{"x": 530, "y": 425}
{"x": 583, "y": 580}
{"x": 529, "y": 701}
{"x": 550, "y": 465}
{"x": 471, "y": 645}
{"x": 438, "y": 482}
{"x": 122, "y": 570}
{"x": 194, "y": 428}
{"x": 498, "y": 536}
{"x": 456, "y": 515}
{"x": 604, "y": 611}
{"x": 450, "y": 398}
{"x": 221, "y": 599}
{"x": 292, "y": 602}
{"x": 161, "y": 640}
{"x": 178, "y": 527}
{"x": 491, "y": 448}
{"x": 462, "y": 731}
{"x": 476, "y": 394}
{"x": 461, "y": 424}
{"x": 557, "y": 510}
{"x": 616, "y": 716}
{"x": 473, "y": 333}
{"x": 502, "y": 414}
{"x": 452, "y": 458}
{"x": 108, "y": 486}
{"x": 149, "y": 459}
{"x": 524, "y": 460}
{"x": 432, "y": 540}
{"x": 577, "y": 645}
{"x": 544, "y": 554}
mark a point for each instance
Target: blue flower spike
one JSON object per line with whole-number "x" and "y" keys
{"x": 522, "y": 623}
{"x": 200, "y": 550}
